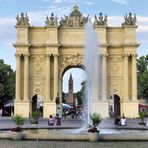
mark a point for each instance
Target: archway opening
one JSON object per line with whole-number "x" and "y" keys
{"x": 37, "y": 104}
{"x": 116, "y": 105}
{"x": 73, "y": 91}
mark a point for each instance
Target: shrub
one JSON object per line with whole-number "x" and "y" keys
{"x": 142, "y": 115}
{"x": 96, "y": 119}
{"x": 18, "y": 120}
{"x": 35, "y": 116}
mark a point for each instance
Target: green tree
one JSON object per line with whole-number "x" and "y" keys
{"x": 142, "y": 77}
{"x": 80, "y": 95}
{"x": 7, "y": 82}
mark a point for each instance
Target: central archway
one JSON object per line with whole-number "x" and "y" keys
{"x": 72, "y": 79}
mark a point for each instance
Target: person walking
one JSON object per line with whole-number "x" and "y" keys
{"x": 59, "y": 112}
{"x": 58, "y": 120}
{"x": 51, "y": 120}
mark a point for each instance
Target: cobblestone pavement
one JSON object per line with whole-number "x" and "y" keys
{"x": 70, "y": 144}
{"x": 6, "y": 123}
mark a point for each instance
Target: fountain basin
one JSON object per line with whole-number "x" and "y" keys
{"x": 66, "y": 135}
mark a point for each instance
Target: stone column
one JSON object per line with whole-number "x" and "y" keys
{"x": 126, "y": 97}
{"x": 104, "y": 77}
{"x": 134, "y": 77}
{"x": 18, "y": 77}
{"x": 48, "y": 77}
{"x": 26, "y": 77}
{"x": 55, "y": 75}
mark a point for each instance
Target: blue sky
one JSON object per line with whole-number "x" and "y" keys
{"x": 37, "y": 11}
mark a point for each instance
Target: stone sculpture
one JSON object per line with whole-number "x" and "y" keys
{"x": 129, "y": 20}
{"x": 100, "y": 21}
{"x": 22, "y": 20}
{"x": 53, "y": 21}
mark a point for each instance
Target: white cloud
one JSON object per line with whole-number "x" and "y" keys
{"x": 38, "y": 17}
{"x": 122, "y": 2}
{"x": 115, "y": 20}
{"x": 7, "y": 30}
{"x": 55, "y": 1}
{"x": 89, "y": 3}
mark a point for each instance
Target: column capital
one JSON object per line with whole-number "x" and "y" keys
{"x": 55, "y": 55}
{"x": 104, "y": 55}
{"x": 126, "y": 55}
{"x": 47, "y": 56}
{"x": 26, "y": 56}
{"x": 18, "y": 55}
{"x": 134, "y": 55}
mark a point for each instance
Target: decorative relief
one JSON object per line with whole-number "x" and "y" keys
{"x": 114, "y": 68}
{"x": 71, "y": 60}
{"x": 37, "y": 83}
{"x": 37, "y": 68}
{"x": 38, "y": 86}
{"x": 100, "y": 21}
{"x": 115, "y": 87}
{"x": 53, "y": 21}
{"x": 116, "y": 58}
{"x": 22, "y": 20}
{"x": 129, "y": 20}
{"x": 75, "y": 19}
{"x": 38, "y": 57}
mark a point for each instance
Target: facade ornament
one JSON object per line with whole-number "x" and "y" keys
{"x": 22, "y": 20}
{"x": 52, "y": 21}
{"x": 100, "y": 21}
{"x": 26, "y": 56}
{"x": 75, "y": 19}
{"x": 129, "y": 20}
{"x": 18, "y": 55}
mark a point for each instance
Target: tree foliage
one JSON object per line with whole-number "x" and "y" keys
{"x": 142, "y": 77}
{"x": 80, "y": 95}
{"x": 7, "y": 82}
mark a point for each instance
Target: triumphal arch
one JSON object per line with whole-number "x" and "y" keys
{"x": 43, "y": 54}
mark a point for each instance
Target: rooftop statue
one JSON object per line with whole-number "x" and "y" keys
{"x": 22, "y": 20}
{"x": 75, "y": 19}
{"x": 100, "y": 21}
{"x": 129, "y": 20}
{"x": 53, "y": 21}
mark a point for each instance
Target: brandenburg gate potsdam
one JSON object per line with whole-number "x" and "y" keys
{"x": 44, "y": 54}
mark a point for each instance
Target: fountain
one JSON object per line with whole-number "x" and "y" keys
{"x": 92, "y": 62}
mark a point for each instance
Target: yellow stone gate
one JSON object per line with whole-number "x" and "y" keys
{"x": 43, "y": 54}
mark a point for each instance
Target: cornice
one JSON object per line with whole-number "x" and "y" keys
{"x": 21, "y": 45}
{"x": 124, "y": 45}
{"x": 131, "y": 45}
{"x": 74, "y": 45}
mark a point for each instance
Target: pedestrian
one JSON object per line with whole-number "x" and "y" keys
{"x": 1, "y": 112}
{"x": 59, "y": 112}
{"x": 123, "y": 121}
{"x": 58, "y": 120}
{"x": 147, "y": 122}
{"x": 117, "y": 120}
{"x": 51, "y": 120}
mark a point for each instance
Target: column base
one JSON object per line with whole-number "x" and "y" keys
{"x": 22, "y": 108}
{"x": 102, "y": 108}
{"x": 49, "y": 109}
{"x": 130, "y": 109}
